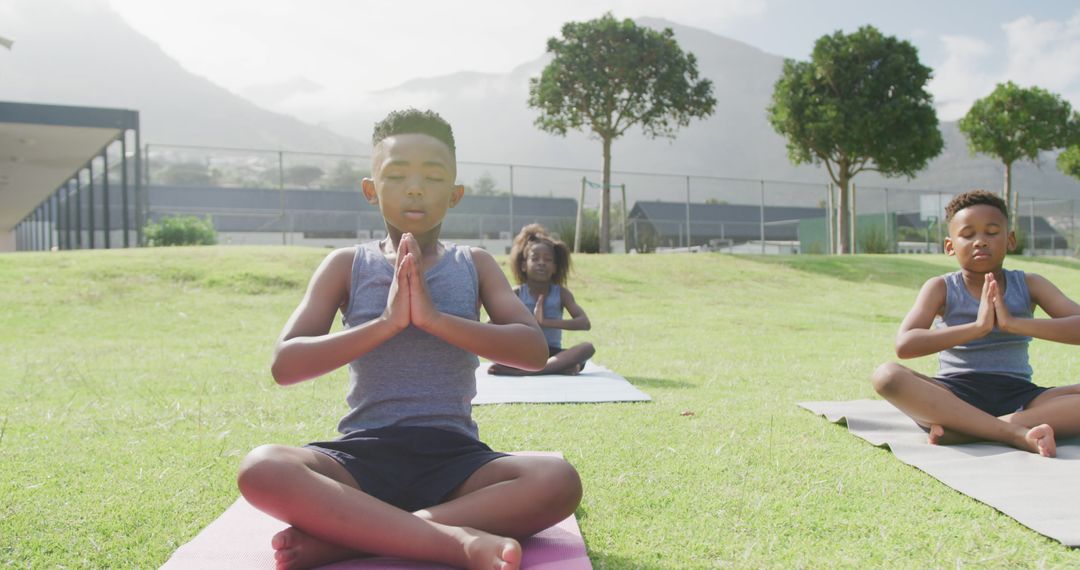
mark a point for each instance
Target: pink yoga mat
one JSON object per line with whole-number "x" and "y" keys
{"x": 240, "y": 539}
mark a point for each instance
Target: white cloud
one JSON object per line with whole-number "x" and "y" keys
{"x": 957, "y": 81}
{"x": 1036, "y": 53}
{"x": 1046, "y": 54}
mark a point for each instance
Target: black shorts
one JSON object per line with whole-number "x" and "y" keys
{"x": 410, "y": 468}
{"x": 992, "y": 393}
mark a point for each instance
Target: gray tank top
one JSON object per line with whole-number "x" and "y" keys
{"x": 552, "y": 310}
{"x": 996, "y": 353}
{"x": 415, "y": 378}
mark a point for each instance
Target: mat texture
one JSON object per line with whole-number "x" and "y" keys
{"x": 594, "y": 384}
{"x": 240, "y": 539}
{"x": 1041, "y": 493}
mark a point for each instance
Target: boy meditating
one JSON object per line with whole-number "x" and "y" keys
{"x": 984, "y": 322}
{"x": 408, "y": 477}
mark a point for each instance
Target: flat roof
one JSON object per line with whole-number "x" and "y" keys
{"x": 43, "y": 146}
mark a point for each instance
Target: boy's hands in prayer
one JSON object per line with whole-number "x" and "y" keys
{"x": 1002, "y": 317}
{"x": 397, "y": 301}
{"x": 408, "y": 301}
{"x": 987, "y": 318}
{"x": 422, "y": 311}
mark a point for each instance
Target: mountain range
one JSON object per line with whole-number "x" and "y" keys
{"x": 88, "y": 55}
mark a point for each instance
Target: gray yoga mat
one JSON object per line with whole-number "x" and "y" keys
{"x": 1041, "y": 493}
{"x": 594, "y": 384}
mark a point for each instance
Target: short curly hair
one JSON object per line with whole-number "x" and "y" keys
{"x": 415, "y": 121}
{"x": 974, "y": 198}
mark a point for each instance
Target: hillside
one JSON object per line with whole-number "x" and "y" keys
{"x": 85, "y": 54}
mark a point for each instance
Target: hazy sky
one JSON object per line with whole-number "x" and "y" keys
{"x": 350, "y": 47}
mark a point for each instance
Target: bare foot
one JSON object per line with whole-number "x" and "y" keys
{"x": 938, "y": 435}
{"x": 294, "y": 549}
{"x": 933, "y": 437}
{"x": 490, "y": 552}
{"x": 1041, "y": 439}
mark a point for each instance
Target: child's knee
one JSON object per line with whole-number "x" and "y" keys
{"x": 887, "y": 376}
{"x": 562, "y": 481}
{"x": 262, "y": 467}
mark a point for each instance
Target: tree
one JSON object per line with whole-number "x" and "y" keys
{"x": 1068, "y": 162}
{"x": 607, "y": 76}
{"x": 1014, "y": 123}
{"x": 303, "y": 175}
{"x": 484, "y": 186}
{"x": 343, "y": 175}
{"x": 188, "y": 174}
{"x": 859, "y": 104}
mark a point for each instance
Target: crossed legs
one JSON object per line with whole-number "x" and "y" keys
{"x": 333, "y": 520}
{"x": 568, "y": 361}
{"x": 952, "y": 420}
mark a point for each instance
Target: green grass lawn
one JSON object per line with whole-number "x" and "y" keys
{"x": 132, "y": 382}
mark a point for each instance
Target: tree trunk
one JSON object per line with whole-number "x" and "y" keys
{"x": 605, "y": 201}
{"x": 843, "y": 237}
{"x": 1009, "y": 196}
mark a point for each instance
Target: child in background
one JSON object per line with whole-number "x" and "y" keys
{"x": 409, "y": 477}
{"x": 984, "y": 317}
{"x": 540, "y": 265}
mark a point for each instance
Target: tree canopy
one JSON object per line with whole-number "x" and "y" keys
{"x": 859, "y": 104}
{"x": 607, "y": 76}
{"x": 1068, "y": 162}
{"x": 1016, "y": 123}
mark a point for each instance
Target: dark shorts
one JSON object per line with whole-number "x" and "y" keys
{"x": 411, "y": 468}
{"x": 994, "y": 394}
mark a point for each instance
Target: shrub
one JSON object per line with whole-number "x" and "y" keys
{"x": 590, "y": 232}
{"x": 873, "y": 240}
{"x": 181, "y": 230}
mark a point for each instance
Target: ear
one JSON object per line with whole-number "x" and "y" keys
{"x": 949, "y": 249}
{"x": 367, "y": 186}
{"x": 1012, "y": 241}
{"x": 456, "y": 194}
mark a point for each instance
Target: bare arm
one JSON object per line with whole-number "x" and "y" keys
{"x": 916, "y": 338}
{"x": 578, "y": 320}
{"x": 1063, "y": 324}
{"x": 512, "y": 337}
{"x": 306, "y": 350}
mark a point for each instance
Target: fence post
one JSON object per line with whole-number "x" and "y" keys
{"x": 512, "y": 231}
{"x": 852, "y": 234}
{"x": 577, "y": 223}
{"x": 830, "y": 231}
{"x": 888, "y": 238}
{"x": 937, "y": 221}
{"x": 625, "y": 237}
{"x": 761, "y": 216}
{"x": 1031, "y": 223}
{"x": 687, "y": 211}
{"x": 281, "y": 192}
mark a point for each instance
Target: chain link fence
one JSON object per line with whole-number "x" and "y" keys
{"x": 259, "y": 196}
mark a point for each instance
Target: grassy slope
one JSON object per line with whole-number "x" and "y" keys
{"x": 131, "y": 383}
